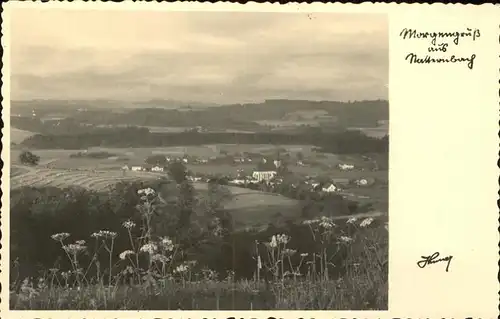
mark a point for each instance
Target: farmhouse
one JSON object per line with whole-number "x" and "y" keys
{"x": 364, "y": 181}
{"x": 264, "y": 175}
{"x": 265, "y": 171}
{"x": 157, "y": 168}
{"x": 329, "y": 188}
{"x": 140, "y": 167}
{"x": 346, "y": 167}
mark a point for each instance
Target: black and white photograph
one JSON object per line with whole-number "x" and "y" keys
{"x": 190, "y": 160}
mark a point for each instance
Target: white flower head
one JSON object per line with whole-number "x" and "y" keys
{"x": 128, "y": 224}
{"x": 125, "y": 254}
{"x": 149, "y": 248}
{"x": 80, "y": 242}
{"x": 282, "y": 238}
{"x": 351, "y": 220}
{"x": 326, "y": 222}
{"x": 60, "y": 236}
{"x": 345, "y": 239}
{"x": 167, "y": 243}
{"x": 146, "y": 191}
{"x": 104, "y": 234}
{"x": 273, "y": 243}
{"x": 366, "y": 222}
{"x": 74, "y": 249}
{"x": 181, "y": 268}
{"x": 303, "y": 255}
{"x": 160, "y": 258}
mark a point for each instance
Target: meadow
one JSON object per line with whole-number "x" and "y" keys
{"x": 245, "y": 203}
{"x": 17, "y": 135}
{"x": 318, "y": 265}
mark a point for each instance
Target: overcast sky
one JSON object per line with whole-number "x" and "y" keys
{"x": 219, "y": 57}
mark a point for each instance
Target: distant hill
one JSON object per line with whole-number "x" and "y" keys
{"x": 163, "y": 113}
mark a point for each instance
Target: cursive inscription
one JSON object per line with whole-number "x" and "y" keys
{"x": 433, "y": 259}
{"x": 455, "y": 36}
{"x": 439, "y": 43}
{"x": 413, "y": 58}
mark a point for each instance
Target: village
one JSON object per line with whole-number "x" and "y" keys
{"x": 269, "y": 174}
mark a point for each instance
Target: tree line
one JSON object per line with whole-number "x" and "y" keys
{"x": 345, "y": 142}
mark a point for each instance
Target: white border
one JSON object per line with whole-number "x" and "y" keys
{"x": 443, "y": 172}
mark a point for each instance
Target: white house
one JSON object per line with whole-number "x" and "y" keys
{"x": 137, "y": 168}
{"x": 157, "y": 169}
{"x": 329, "y": 188}
{"x": 264, "y": 175}
{"x": 346, "y": 167}
{"x": 362, "y": 182}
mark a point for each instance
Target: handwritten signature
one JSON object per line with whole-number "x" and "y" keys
{"x": 433, "y": 259}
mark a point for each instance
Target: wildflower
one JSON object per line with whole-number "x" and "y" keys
{"x": 167, "y": 243}
{"x": 346, "y": 239}
{"x": 125, "y": 254}
{"x": 326, "y": 222}
{"x": 149, "y": 248}
{"x": 53, "y": 270}
{"x": 65, "y": 274}
{"x": 80, "y": 242}
{"x": 351, "y": 220}
{"x": 146, "y": 191}
{"x": 181, "y": 269}
{"x": 59, "y": 236}
{"x": 283, "y": 239}
{"x": 161, "y": 258}
{"x": 104, "y": 234}
{"x": 273, "y": 243}
{"x": 303, "y": 255}
{"x": 74, "y": 249}
{"x": 128, "y": 224}
{"x": 209, "y": 274}
{"x": 366, "y": 222}
{"x": 289, "y": 252}
{"x": 42, "y": 284}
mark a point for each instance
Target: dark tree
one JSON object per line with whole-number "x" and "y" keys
{"x": 178, "y": 172}
{"x": 28, "y": 158}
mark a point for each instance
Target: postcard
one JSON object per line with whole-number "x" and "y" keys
{"x": 198, "y": 160}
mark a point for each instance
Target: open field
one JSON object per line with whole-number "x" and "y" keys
{"x": 244, "y": 200}
{"x": 17, "y": 135}
{"x": 99, "y": 180}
